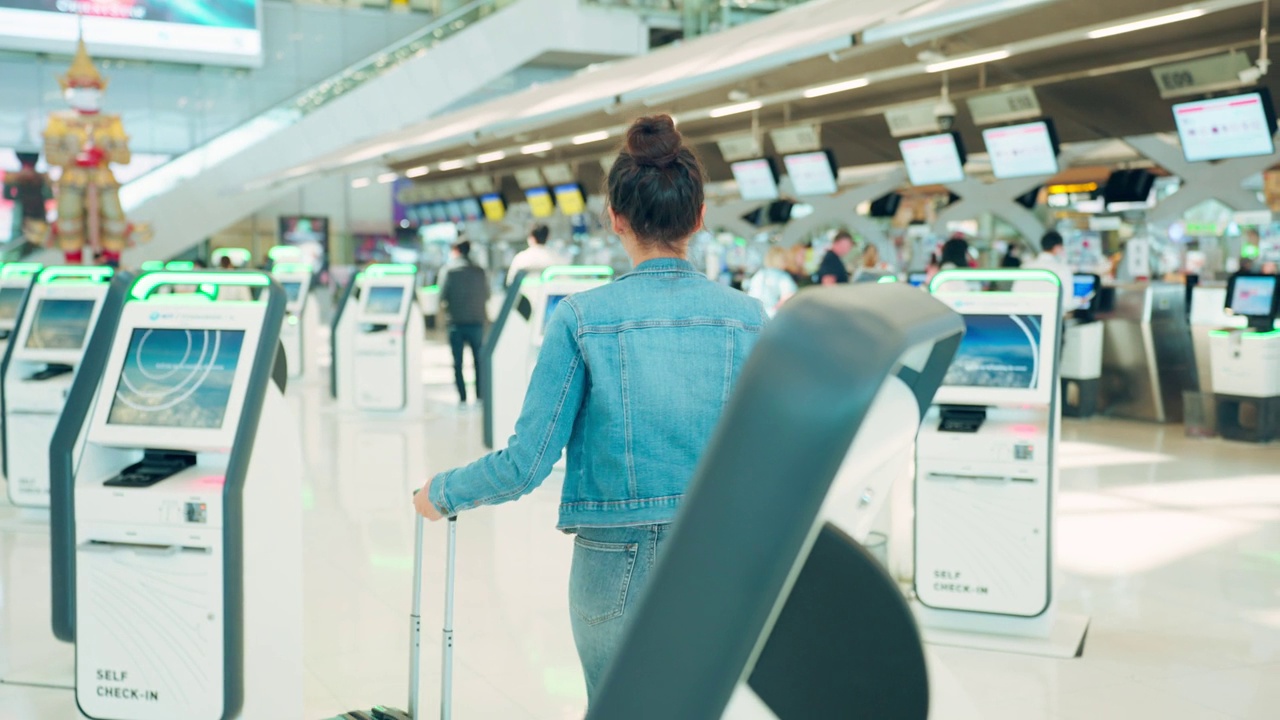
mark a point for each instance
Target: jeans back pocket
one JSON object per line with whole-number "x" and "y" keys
{"x": 599, "y": 579}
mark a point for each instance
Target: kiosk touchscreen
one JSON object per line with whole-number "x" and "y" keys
{"x": 986, "y": 465}
{"x": 15, "y": 280}
{"x": 175, "y": 465}
{"x": 300, "y": 335}
{"x": 1245, "y": 362}
{"x": 47, "y": 350}
{"x": 386, "y": 361}
{"x": 512, "y": 346}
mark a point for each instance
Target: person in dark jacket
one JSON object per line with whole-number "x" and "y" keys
{"x": 463, "y": 297}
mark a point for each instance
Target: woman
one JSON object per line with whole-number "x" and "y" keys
{"x": 773, "y": 285}
{"x": 632, "y": 378}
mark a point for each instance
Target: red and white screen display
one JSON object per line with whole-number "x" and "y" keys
{"x": 1021, "y": 150}
{"x": 933, "y": 160}
{"x": 1222, "y": 128}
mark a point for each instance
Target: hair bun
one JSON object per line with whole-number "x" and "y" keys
{"x": 654, "y": 141}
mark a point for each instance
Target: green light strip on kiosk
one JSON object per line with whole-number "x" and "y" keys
{"x": 144, "y": 286}
{"x": 886, "y": 279}
{"x": 77, "y": 272}
{"x": 13, "y": 270}
{"x": 384, "y": 269}
{"x": 180, "y": 265}
{"x": 289, "y": 268}
{"x": 577, "y": 271}
{"x": 1029, "y": 275}
{"x": 152, "y": 266}
{"x": 1243, "y": 334}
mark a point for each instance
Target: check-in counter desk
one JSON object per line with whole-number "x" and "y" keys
{"x": 1147, "y": 355}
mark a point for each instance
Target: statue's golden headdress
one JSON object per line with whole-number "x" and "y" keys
{"x": 82, "y": 73}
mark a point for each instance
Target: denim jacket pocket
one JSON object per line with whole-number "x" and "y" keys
{"x": 598, "y": 585}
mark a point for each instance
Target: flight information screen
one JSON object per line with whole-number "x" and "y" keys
{"x": 933, "y": 159}
{"x": 1021, "y": 150}
{"x": 811, "y": 173}
{"x": 176, "y": 378}
{"x": 1223, "y": 128}
{"x": 755, "y": 179}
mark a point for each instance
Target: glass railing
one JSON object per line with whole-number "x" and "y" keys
{"x": 291, "y": 111}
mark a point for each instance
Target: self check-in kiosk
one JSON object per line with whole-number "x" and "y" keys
{"x": 300, "y": 334}
{"x": 378, "y": 345}
{"x": 15, "y": 280}
{"x": 176, "y": 512}
{"x": 1246, "y": 362}
{"x": 47, "y": 348}
{"x": 799, "y": 622}
{"x": 987, "y": 472}
{"x": 512, "y": 345}
{"x": 1081, "y": 368}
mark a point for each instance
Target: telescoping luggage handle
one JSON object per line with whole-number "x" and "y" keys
{"x": 415, "y": 624}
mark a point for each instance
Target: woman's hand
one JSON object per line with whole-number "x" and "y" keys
{"x": 422, "y": 503}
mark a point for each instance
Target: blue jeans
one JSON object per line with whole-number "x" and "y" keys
{"x": 611, "y": 569}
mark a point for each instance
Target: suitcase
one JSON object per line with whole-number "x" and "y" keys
{"x": 415, "y": 636}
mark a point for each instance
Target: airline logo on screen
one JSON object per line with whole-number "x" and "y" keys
{"x": 159, "y": 316}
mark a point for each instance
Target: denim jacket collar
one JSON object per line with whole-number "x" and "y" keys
{"x": 661, "y": 265}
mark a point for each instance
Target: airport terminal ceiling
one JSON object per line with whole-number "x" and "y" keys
{"x": 1093, "y": 89}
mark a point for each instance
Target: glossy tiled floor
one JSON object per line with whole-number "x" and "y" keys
{"x": 1171, "y": 545}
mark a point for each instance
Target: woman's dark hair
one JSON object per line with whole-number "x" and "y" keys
{"x": 540, "y": 233}
{"x": 956, "y": 252}
{"x": 463, "y": 247}
{"x": 656, "y": 182}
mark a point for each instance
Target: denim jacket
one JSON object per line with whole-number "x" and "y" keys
{"x": 631, "y": 379}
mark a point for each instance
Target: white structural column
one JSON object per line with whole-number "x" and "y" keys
{"x": 1201, "y": 181}
{"x": 999, "y": 198}
{"x": 843, "y": 209}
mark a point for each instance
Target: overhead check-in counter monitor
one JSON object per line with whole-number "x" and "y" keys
{"x": 174, "y": 465}
{"x": 48, "y": 347}
{"x": 777, "y": 612}
{"x": 387, "y": 339}
{"x": 987, "y": 467}
{"x": 300, "y": 334}
{"x": 511, "y": 347}
{"x": 1246, "y": 361}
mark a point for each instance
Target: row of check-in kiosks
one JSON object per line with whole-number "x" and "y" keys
{"x": 154, "y": 425}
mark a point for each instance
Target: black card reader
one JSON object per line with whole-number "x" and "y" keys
{"x": 156, "y": 465}
{"x": 962, "y": 418}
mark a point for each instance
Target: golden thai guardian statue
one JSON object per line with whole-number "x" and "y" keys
{"x": 84, "y": 141}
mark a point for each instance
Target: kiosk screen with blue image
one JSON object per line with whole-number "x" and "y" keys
{"x": 384, "y": 300}
{"x": 998, "y": 351}
{"x": 292, "y": 290}
{"x": 10, "y": 300}
{"x": 553, "y": 301}
{"x": 1084, "y": 288}
{"x": 177, "y": 378}
{"x": 60, "y": 325}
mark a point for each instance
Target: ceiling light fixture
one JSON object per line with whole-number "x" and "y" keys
{"x": 385, "y": 178}
{"x": 1144, "y": 24}
{"x": 535, "y": 148}
{"x": 489, "y": 157}
{"x": 591, "y": 137}
{"x": 415, "y": 172}
{"x": 833, "y": 88}
{"x": 736, "y": 108}
{"x": 946, "y": 65}
{"x": 451, "y": 165}
{"x": 360, "y": 183}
